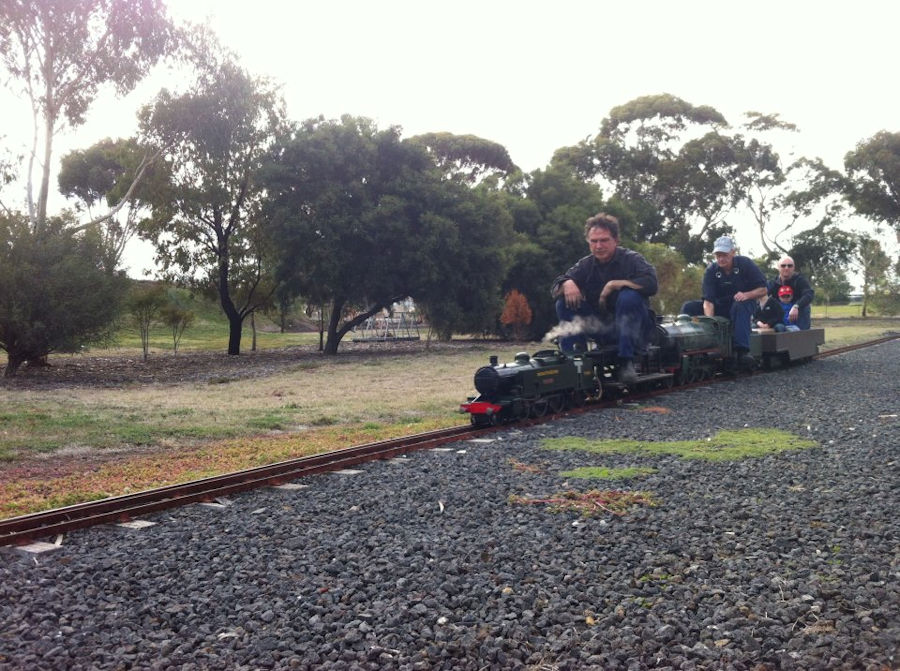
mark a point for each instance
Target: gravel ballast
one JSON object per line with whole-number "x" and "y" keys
{"x": 788, "y": 561}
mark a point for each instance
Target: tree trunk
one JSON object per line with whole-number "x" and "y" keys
{"x": 12, "y": 365}
{"x": 235, "y": 318}
{"x": 235, "y": 324}
{"x": 49, "y": 124}
{"x": 331, "y": 343}
{"x": 253, "y": 331}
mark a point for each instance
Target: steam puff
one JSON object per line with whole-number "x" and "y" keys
{"x": 578, "y": 326}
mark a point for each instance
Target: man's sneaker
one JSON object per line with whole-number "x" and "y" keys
{"x": 626, "y": 373}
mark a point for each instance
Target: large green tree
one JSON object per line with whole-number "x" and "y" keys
{"x": 205, "y": 226}
{"x": 873, "y": 171}
{"x": 873, "y": 264}
{"x": 59, "y": 290}
{"x": 823, "y": 252}
{"x": 365, "y": 219}
{"x": 104, "y": 175}
{"x": 669, "y": 160}
{"x": 61, "y": 52}
{"x": 549, "y": 209}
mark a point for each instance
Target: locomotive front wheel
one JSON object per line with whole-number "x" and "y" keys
{"x": 556, "y": 403}
{"x": 539, "y": 407}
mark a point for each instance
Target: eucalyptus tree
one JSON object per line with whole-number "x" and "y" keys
{"x": 669, "y": 159}
{"x": 468, "y": 157}
{"x": 104, "y": 175}
{"x": 873, "y": 172}
{"x": 365, "y": 219}
{"x": 59, "y": 290}
{"x": 60, "y": 53}
{"x": 874, "y": 266}
{"x": 205, "y": 225}
{"x": 823, "y": 254}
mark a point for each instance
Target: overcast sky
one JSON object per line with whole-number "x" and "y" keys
{"x": 536, "y": 76}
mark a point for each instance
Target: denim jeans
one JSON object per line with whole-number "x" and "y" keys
{"x": 804, "y": 318}
{"x": 626, "y": 328}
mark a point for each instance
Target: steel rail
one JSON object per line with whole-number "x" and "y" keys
{"x": 26, "y": 528}
{"x": 850, "y": 348}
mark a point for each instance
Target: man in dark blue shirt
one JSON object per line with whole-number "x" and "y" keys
{"x": 731, "y": 286}
{"x": 605, "y": 296}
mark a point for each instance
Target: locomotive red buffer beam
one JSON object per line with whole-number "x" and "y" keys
{"x": 481, "y": 408}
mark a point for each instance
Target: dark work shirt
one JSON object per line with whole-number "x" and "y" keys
{"x": 591, "y": 276}
{"x": 720, "y": 287}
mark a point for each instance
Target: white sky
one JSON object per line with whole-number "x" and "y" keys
{"x": 536, "y": 76}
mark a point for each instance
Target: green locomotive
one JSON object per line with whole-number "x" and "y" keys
{"x": 686, "y": 350}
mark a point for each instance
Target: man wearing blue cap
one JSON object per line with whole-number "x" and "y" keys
{"x": 731, "y": 286}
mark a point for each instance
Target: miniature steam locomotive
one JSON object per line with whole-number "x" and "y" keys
{"x": 686, "y": 350}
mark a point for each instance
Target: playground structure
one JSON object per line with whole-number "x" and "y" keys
{"x": 399, "y": 324}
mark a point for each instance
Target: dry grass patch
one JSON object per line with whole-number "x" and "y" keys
{"x": 62, "y": 445}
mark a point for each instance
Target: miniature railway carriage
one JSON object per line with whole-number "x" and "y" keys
{"x": 789, "y": 347}
{"x": 687, "y": 350}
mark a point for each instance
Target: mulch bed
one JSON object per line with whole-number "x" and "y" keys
{"x": 117, "y": 370}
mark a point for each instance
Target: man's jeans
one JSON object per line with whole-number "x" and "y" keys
{"x": 626, "y": 328}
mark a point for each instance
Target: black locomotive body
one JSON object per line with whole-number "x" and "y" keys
{"x": 688, "y": 349}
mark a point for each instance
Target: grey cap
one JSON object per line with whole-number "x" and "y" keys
{"x": 724, "y": 244}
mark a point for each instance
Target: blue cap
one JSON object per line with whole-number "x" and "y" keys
{"x": 724, "y": 244}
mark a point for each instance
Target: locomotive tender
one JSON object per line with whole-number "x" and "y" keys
{"x": 689, "y": 349}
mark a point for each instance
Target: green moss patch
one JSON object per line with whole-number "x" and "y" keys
{"x": 724, "y": 446}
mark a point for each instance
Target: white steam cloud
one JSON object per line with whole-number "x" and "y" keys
{"x": 578, "y": 326}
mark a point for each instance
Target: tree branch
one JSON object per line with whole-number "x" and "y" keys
{"x": 146, "y": 162}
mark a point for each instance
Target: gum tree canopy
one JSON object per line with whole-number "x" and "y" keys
{"x": 873, "y": 169}
{"x": 59, "y": 288}
{"x": 204, "y": 222}
{"x": 661, "y": 154}
{"x": 365, "y": 219}
{"x": 61, "y": 52}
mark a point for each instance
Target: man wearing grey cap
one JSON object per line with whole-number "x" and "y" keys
{"x": 731, "y": 286}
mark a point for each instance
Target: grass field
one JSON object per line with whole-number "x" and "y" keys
{"x": 63, "y": 445}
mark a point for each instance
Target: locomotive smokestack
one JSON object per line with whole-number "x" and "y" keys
{"x": 493, "y": 360}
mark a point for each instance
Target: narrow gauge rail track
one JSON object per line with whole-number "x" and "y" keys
{"x": 850, "y": 348}
{"x": 27, "y": 528}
